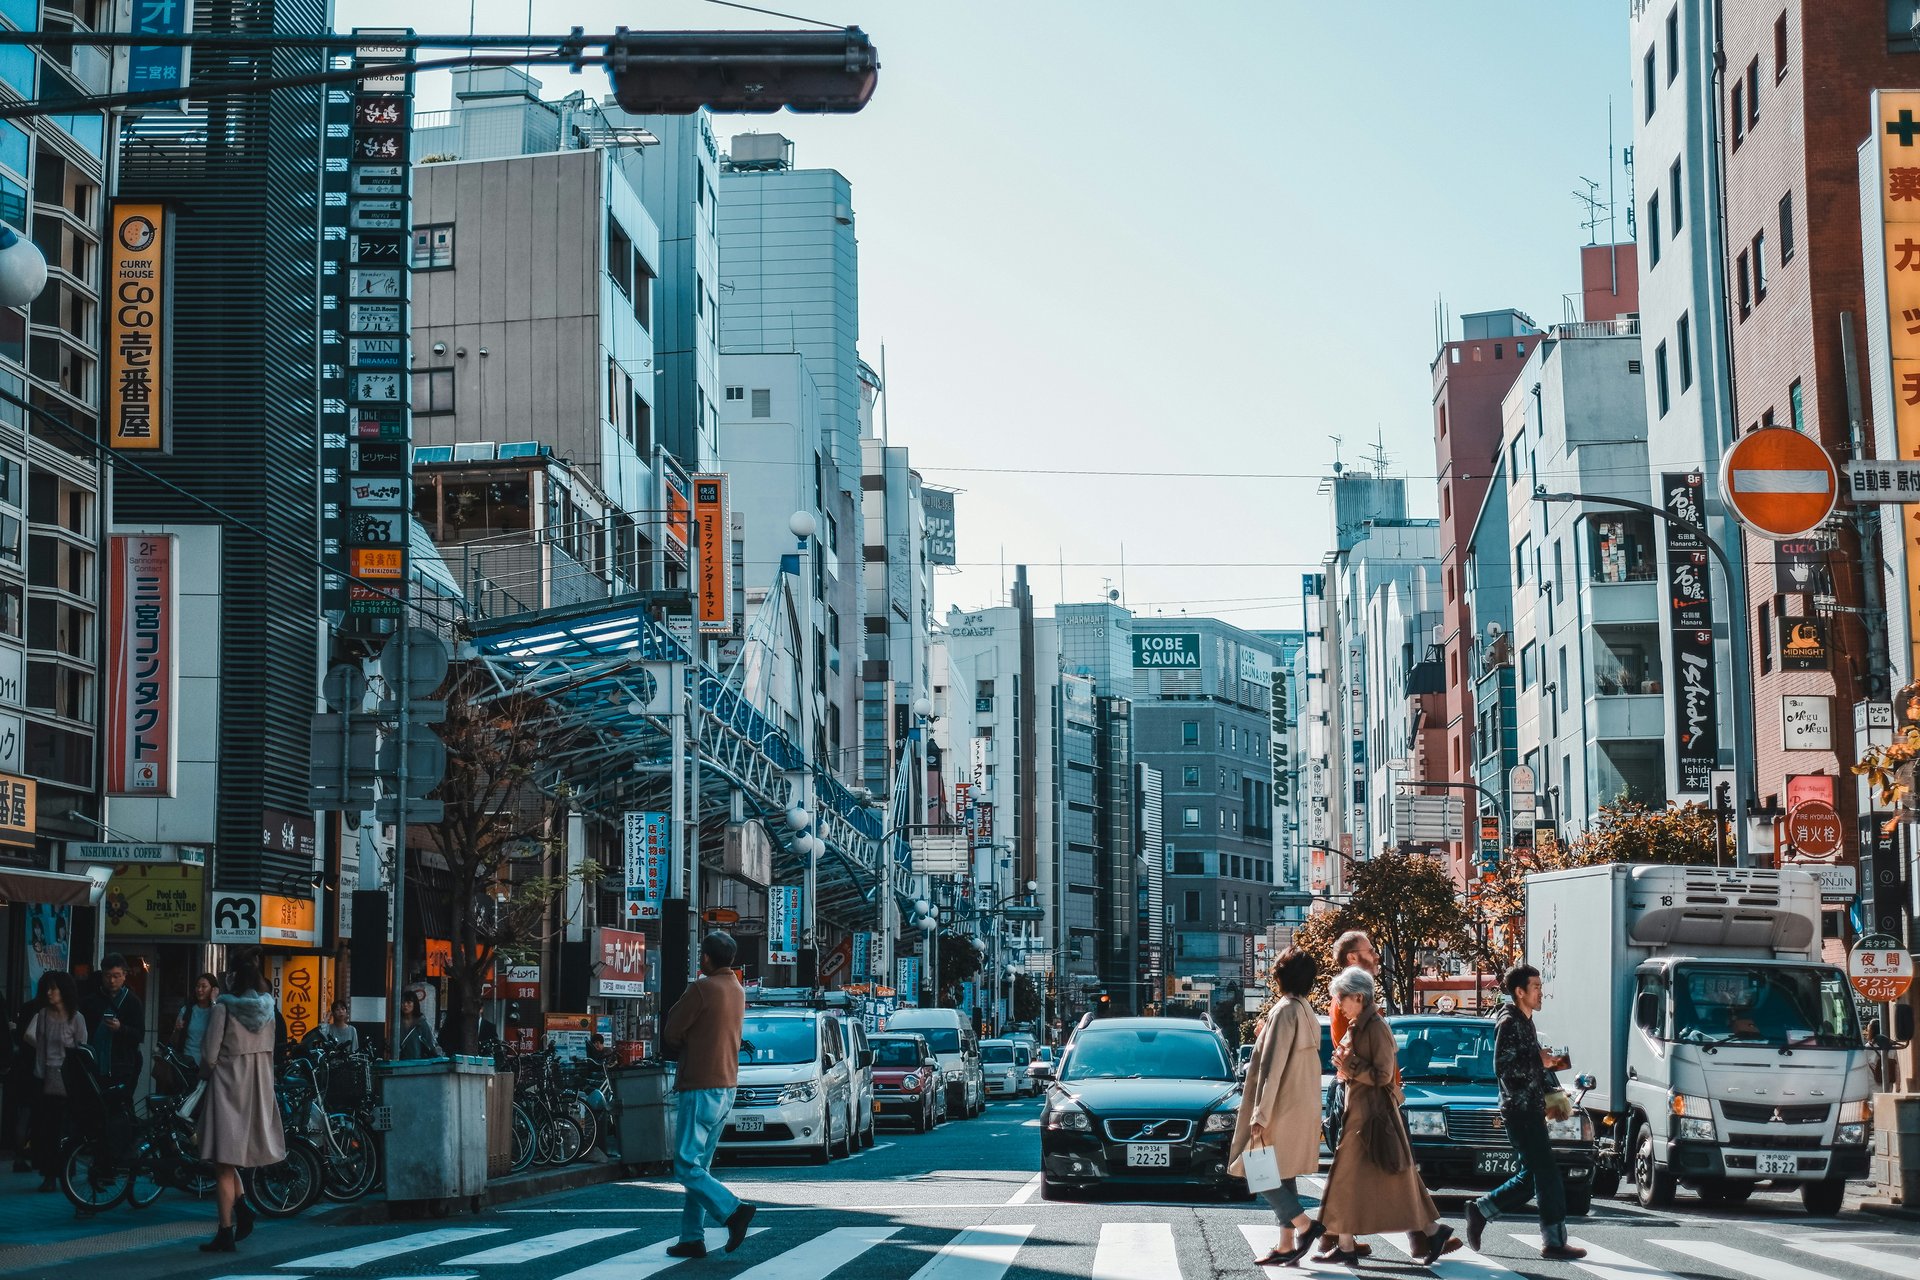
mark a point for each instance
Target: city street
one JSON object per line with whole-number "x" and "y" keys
{"x": 963, "y": 1204}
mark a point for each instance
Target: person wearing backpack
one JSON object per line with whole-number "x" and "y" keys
{"x": 55, "y": 1031}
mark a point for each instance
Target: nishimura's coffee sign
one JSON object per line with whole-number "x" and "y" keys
{"x": 1179, "y": 650}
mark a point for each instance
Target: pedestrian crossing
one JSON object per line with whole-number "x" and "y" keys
{"x": 1058, "y": 1244}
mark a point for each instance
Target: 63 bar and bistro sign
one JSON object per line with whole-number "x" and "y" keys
{"x": 141, "y": 646}
{"x": 1696, "y": 710}
{"x": 138, "y": 391}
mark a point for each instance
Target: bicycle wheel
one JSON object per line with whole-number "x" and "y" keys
{"x": 585, "y": 1120}
{"x": 352, "y": 1161}
{"x": 562, "y": 1140}
{"x": 526, "y": 1142}
{"x": 284, "y": 1189}
{"x": 92, "y": 1179}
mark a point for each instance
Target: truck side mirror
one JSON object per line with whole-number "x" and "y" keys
{"x": 1646, "y": 1010}
{"x": 1584, "y": 1082}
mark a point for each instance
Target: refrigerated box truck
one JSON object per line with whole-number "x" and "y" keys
{"x": 1724, "y": 1051}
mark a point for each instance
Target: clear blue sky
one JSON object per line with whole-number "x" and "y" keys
{"x": 1161, "y": 238}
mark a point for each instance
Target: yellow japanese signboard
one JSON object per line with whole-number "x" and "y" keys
{"x": 137, "y": 389}
{"x": 1896, "y": 144}
{"x": 19, "y": 811}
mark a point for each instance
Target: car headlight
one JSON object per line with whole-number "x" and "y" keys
{"x": 1068, "y": 1116}
{"x": 1693, "y": 1118}
{"x": 805, "y": 1091}
{"x": 1427, "y": 1124}
{"x": 910, "y": 1085}
{"x": 1577, "y": 1127}
{"x": 1220, "y": 1122}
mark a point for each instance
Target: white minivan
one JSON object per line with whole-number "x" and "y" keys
{"x": 950, "y": 1033}
{"x": 796, "y": 1089}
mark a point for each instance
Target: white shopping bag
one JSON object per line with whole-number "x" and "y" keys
{"x": 1262, "y": 1169}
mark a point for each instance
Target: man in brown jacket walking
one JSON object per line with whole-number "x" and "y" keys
{"x": 703, "y": 1032}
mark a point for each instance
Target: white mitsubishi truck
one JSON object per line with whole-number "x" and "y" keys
{"x": 1724, "y": 1051}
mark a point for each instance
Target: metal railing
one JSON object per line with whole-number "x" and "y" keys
{"x": 1627, "y": 328}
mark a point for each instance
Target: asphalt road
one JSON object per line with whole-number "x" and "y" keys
{"x": 962, "y": 1203}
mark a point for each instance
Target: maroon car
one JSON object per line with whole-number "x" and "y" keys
{"x": 906, "y": 1081}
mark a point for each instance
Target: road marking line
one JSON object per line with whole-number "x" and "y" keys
{"x": 537, "y": 1246}
{"x": 1739, "y": 1261}
{"x": 1030, "y": 1124}
{"x": 977, "y": 1253}
{"x": 820, "y": 1256}
{"x": 1314, "y": 1183}
{"x": 642, "y": 1263}
{"x": 1025, "y": 1193}
{"x": 379, "y": 1250}
{"x": 1461, "y": 1259}
{"x": 1604, "y": 1263}
{"x": 1838, "y": 1247}
{"x": 785, "y": 1208}
{"x": 1136, "y": 1251}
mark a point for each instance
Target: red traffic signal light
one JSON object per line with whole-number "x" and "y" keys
{"x": 679, "y": 72}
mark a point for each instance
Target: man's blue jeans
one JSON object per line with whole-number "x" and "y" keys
{"x": 701, "y": 1115}
{"x": 1539, "y": 1176}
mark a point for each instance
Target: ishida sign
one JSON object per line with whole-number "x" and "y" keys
{"x": 1179, "y": 650}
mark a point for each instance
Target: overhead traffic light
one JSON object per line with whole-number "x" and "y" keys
{"x": 679, "y": 72}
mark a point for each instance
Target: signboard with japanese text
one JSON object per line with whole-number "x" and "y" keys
{"x": 523, "y": 982}
{"x": 154, "y": 68}
{"x": 1694, "y": 731}
{"x": 676, "y": 501}
{"x": 863, "y": 951}
{"x": 300, "y": 990}
{"x": 937, "y": 504}
{"x": 138, "y": 390}
{"x": 19, "y": 810}
{"x": 713, "y": 516}
{"x": 287, "y": 921}
{"x": 1179, "y": 650}
{"x": 1893, "y": 256}
{"x": 1879, "y": 968}
{"x": 907, "y": 985}
{"x": 165, "y": 902}
{"x": 783, "y": 924}
{"x": 623, "y": 963}
{"x": 142, "y": 632}
{"x": 648, "y": 849}
{"x": 1891, "y": 480}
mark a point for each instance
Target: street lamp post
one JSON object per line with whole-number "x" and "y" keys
{"x": 1746, "y": 855}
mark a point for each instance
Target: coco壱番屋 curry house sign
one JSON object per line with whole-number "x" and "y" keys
{"x": 19, "y": 810}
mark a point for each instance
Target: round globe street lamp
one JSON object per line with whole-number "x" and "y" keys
{"x": 802, "y": 524}
{"x": 23, "y": 269}
{"x": 798, "y": 818}
{"x": 922, "y": 707}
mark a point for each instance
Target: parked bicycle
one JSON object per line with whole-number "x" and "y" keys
{"x": 311, "y": 1103}
{"x": 543, "y": 1131}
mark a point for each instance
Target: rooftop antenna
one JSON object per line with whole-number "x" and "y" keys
{"x": 1596, "y": 208}
{"x": 1338, "y": 466}
{"x": 1379, "y": 455}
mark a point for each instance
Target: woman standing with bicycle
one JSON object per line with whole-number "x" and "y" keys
{"x": 239, "y": 1122}
{"x": 54, "y": 1032}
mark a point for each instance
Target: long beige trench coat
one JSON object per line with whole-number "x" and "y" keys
{"x": 1281, "y": 1093}
{"x": 1361, "y": 1197}
{"x": 239, "y": 1121}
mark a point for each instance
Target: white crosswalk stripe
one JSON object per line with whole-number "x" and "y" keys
{"x": 1845, "y": 1246}
{"x": 641, "y": 1263}
{"x": 820, "y": 1256}
{"x": 1604, "y": 1263}
{"x": 1461, "y": 1262}
{"x": 537, "y": 1247}
{"x": 1313, "y": 1184}
{"x": 978, "y": 1253}
{"x": 1136, "y": 1251}
{"x": 361, "y": 1255}
{"x": 1739, "y": 1261}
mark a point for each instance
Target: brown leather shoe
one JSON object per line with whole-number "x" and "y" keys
{"x": 1563, "y": 1252}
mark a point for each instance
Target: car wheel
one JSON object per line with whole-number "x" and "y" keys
{"x": 1823, "y": 1198}
{"x": 1606, "y": 1183}
{"x": 846, "y": 1136}
{"x": 870, "y": 1134}
{"x": 1653, "y": 1186}
{"x": 822, "y": 1154}
{"x": 1579, "y": 1201}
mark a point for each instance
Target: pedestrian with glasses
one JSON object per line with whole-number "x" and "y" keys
{"x": 1521, "y": 1066}
{"x": 1280, "y": 1097}
{"x": 703, "y": 1033}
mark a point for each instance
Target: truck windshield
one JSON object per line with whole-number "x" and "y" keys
{"x": 1783, "y": 1008}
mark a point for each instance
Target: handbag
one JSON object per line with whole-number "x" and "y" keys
{"x": 1262, "y": 1168}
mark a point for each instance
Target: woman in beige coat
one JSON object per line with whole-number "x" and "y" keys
{"x": 1280, "y": 1098}
{"x": 239, "y": 1121}
{"x": 1374, "y": 1185}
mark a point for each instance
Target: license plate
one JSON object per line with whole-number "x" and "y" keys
{"x": 1504, "y": 1163}
{"x": 878, "y": 1106}
{"x": 1777, "y": 1164}
{"x": 749, "y": 1124}
{"x": 1149, "y": 1155}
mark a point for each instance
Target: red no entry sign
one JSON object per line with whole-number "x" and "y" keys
{"x": 1779, "y": 482}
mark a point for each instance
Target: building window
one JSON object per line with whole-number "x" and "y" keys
{"x": 619, "y": 256}
{"x": 736, "y": 393}
{"x": 1753, "y": 92}
{"x": 1780, "y": 47}
{"x": 1189, "y": 733}
{"x": 1527, "y": 663}
{"x": 1738, "y": 113}
{"x": 1673, "y": 44}
{"x": 1190, "y": 817}
{"x": 641, "y": 429}
{"x": 1653, "y": 230}
{"x": 1786, "y": 227}
{"x": 1646, "y": 75}
{"x": 1683, "y": 348}
{"x": 1745, "y": 276}
{"x": 1674, "y": 201}
{"x": 433, "y": 247}
{"x": 1564, "y": 690}
{"x": 432, "y": 391}
{"x": 1795, "y": 409}
{"x": 1660, "y": 378}
{"x": 1190, "y": 777}
{"x": 762, "y": 402}
{"x": 1190, "y": 906}
{"x": 1759, "y": 267}
{"x": 643, "y": 293}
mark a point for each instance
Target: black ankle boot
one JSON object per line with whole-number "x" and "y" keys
{"x": 222, "y": 1242}
{"x": 242, "y": 1220}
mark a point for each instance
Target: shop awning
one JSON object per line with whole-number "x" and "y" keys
{"x": 52, "y": 887}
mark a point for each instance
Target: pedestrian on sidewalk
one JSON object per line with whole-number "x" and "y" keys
{"x": 56, "y": 1030}
{"x": 118, "y": 1022}
{"x": 703, "y": 1033}
{"x": 190, "y": 1030}
{"x": 1280, "y": 1097}
{"x": 1521, "y": 1066}
{"x": 416, "y": 1033}
{"x": 1374, "y": 1185}
{"x": 239, "y": 1121}
{"x": 338, "y": 1031}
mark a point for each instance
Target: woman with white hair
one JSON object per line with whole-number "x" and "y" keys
{"x": 1374, "y": 1185}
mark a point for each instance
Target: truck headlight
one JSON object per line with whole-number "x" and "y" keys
{"x": 1220, "y": 1122}
{"x": 1693, "y": 1118}
{"x": 1069, "y": 1116}
{"x": 802, "y": 1092}
{"x": 1577, "y": 1127}
{"x": 1856, "y": 1122}
{"x": 1427, "y": 1124}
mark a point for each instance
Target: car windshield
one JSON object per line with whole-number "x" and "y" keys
{"x": 1147, "y": 1053}
{"x": 941, "y": 1039}
{"x": 1436, "y": 1051}
{"x": 1002, "y": 1053}
{"x": 1326, "y": 1048}
{"x": 771, "y": 1040}
{"x": 896, "y": 1054}
{"x": 1782, "y": 1008}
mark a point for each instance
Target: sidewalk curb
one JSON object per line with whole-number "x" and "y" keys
{"x": 525, "y": 1186}
{"x": 1888, "y": 1209}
